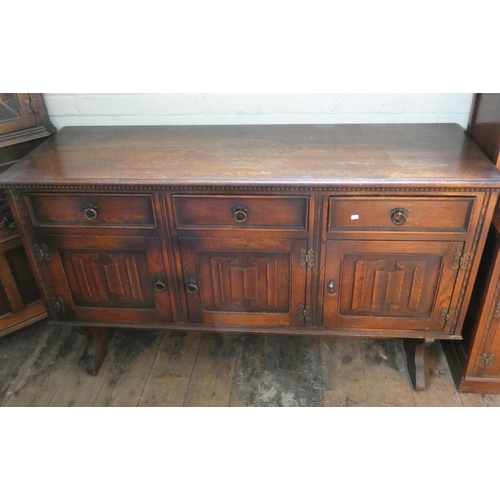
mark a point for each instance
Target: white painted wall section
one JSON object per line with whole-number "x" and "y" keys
{"x": 207, "y": 109}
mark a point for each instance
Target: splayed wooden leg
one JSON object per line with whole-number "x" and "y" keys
{"x": 98, "y": 338}
{"x": 415, "y": 351}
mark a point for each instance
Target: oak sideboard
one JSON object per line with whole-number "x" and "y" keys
{"x": 360, "y": 230}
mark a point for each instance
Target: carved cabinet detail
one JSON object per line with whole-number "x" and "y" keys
{"x": 243, "y": 282}
{"x": 370, "y": 231}
{"x": 478, "y": 356}
{"x": 381, "y": 284}
{"x": 109, "y": 277}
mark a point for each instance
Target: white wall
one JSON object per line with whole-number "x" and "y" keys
{"x": 184, "y": 109}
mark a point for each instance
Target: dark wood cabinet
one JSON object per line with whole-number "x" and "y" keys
{"x": 20, "y": 301}
{"x": 484, "y": 124}
{"x": 24, "y": 124}
{"x": 18, "y": 112}
{"x": 475, "y": 360}
{"x": 364, "y": 230}
{"x": 481, "y": 360}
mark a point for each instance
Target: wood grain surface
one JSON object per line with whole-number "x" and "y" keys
{"x": 45, "y": 365}
{"x": 266, "y": 154}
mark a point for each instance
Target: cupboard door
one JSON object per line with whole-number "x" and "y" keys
{"x": 16, "y": 112}
{"x": 112, "y": 279}
{"x": 377, "y": 285}
{"x": 244, "y": 282}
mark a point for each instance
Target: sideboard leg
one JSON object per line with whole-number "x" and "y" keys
{"x": 415, "y": 350}
{"x": 97, "y": 349}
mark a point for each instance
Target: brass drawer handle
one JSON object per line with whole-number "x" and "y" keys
{"x": 240, "y": 214}
{"x": 159, "y": 284}
{"x": 398, "y": 216}
{"x": 191, "y": 286}
{"x": 331, "y": 287}
{"x": 90, "y": 212}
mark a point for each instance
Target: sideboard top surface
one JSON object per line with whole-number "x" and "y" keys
{"x": 429, "y": 155}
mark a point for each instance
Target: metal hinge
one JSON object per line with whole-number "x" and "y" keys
{"x": 486, "y": 361}
{"x": 58, "y": 306}
{"x": 306, "y": 257}
{"x": 31, "y": 105}
{"x": 461, "y": 260}
{"x": 304, "y": 312}
{"x": 447, "y": 316}
{"x": 41, "y": 252}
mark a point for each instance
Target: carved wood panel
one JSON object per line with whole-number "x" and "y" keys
{"x": 484, "y": 358}
{"x": 401, "y": 285}
{"x": 243, "y": 281}
{"x": 111, "y": 274}
{"x": 254, "y": 283}
{"x": 391, "y": 286}
{"x": 108, "y": 278}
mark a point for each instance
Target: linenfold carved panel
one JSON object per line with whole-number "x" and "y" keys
{"x": 243, "y": 281}
{"x": 384, "y": 287}
{"x": 240, "y": 281}
{"x": 375, "y": 285}
{"x": 110, "y": 279}
{"x": 121, "y": 279}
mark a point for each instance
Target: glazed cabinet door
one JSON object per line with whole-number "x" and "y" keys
{"x": 244, "y": 281}
{"x": 373, "y": 285}
{"x": 17, "y": 111}
{"x": 111, "y": 280}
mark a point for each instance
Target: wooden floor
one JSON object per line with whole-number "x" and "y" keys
{"x": 43, "y": 365}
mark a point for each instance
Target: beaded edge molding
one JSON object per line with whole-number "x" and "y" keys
{"x": 146, "y": 187}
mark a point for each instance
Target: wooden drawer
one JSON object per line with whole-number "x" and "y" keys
{"x": 92, "y": 210}
{"x": 400, "y": 214}
{"x": 238, "y": 212}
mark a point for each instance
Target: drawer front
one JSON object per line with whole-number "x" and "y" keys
{"x": 400, "y": 214}
{"x": 238, "y": 212}
{"x": 92, "y": 210}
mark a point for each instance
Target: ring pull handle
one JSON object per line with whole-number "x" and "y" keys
{"x": 398, "y": 216}
{"x": 191, "y": 286}
{"x": 240, "y": 214}
{"x": 159, "y": 284}
{"x": 90, "y": 212}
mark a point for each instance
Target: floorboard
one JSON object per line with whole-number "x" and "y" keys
{"x": 278, "y": 371}
{"x": 169, "y": 379}
{"x": 342, "y": 372}
{"x": 440, "y": 387}
{"x": 255, "y": 381}
{"x": 17, "y": 352}
{"x": 491, "y": 400}
{"x": 385, "y": 372}
{"x": 77, "y": 387}
{"x": 126, "y": 379}
{"x": 42, "y": 379}
{"x": 213, "y": 372}
{"x": 45, "y": 365}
